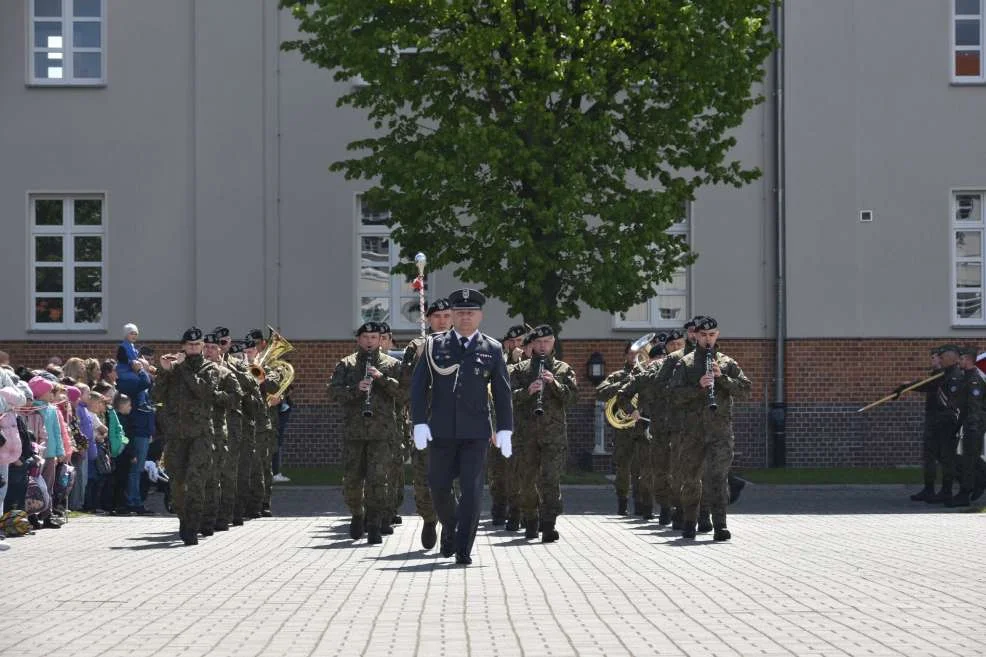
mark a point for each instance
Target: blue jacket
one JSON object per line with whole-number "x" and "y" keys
{"x": 459, "y": 406}
{"x": 136, "y": 385}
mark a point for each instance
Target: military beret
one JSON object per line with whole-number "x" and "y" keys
{"x": 690, "y": 324}
{"x": 660, "y": 338}
{"x": 438, "y": 305}
{"x": 514, "y": 332}
{"x": 466, "y": 299}
{"x": 221, "y": 332}
{"x": 968, "y": 351}
{"x": 384, "y": 327}
{"x": 528, "y": 338}
{"x": 193, "y": 334}
{"x": 237, "y": 347}
{"x": 706, "y": 324}
{"x": 249, "y": 343}
{"x": 542, "y": 331}
{"x": 368, "y": 327}
{"x": 674, "y": 334}
{"x": 948, "y": 347}
{"x": 210, "y": 338}
{"x": 657, "y": 350}
{"x": 255, "y": 334}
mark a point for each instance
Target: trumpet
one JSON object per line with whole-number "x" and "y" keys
{"x": 712, "y": 388}
{"x": 367, "y": 411}
{"x": 539, "y": 402}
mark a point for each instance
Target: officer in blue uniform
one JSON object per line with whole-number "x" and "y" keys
{"x": 461, "y": 368}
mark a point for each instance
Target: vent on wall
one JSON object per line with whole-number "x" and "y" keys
{"x": 865, "y": 216}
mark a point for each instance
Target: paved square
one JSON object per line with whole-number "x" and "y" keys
{"x": 810, "y": 571}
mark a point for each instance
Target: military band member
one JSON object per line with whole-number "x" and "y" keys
{"x": 251, "y": 407}
{"x": 186, "y": 388}
{"x": 543, "y": 389}
{"x": 707, "y": 441}
{"x": 626, "y": 440}
{"x": 461, "y": 368}
{"x": 398, "y": 448}
{"x": 497, "y": 471}
{"x": 366, "y": 384}
{"x": 972, "y": 419}
{"x": 226, "y": 425}
{"x": 439, "y": 316}
{"x": 675, "y": 419}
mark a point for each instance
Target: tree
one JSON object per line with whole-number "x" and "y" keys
{"x": 543, "y": 147}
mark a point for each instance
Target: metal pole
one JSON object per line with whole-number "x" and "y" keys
{"x": 778, "y": 411}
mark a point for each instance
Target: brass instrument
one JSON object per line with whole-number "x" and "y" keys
{"x": 270, "y": 358}
{"x": 617, "y": 417}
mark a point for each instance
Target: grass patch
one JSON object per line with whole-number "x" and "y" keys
{"x": 832, "y": 475}
{"x": 331, "y": 475}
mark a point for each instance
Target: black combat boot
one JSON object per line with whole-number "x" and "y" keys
{"x": 621, "y": 506}
{"x": 960, "y": 499}
{"x": 222, "y": 526}
{"x": 373, "y": 536}
{"x": 688, "y": 529}
{"x": 665, "y": 517}
{"x": 396, "y": 520}
{"x": 237, "y": 521}
{"x": 531, "y": 527}
{"x": 677, "y": 518}
{"x": 266, "y": 513}
{"x": 647, "y": 512}
{"x": 429, "y": 535}
{"x": 924, "y": 494}
{"x": 704, "y": 521}
{"x": 513, "y": 521}
{"x": 356, "y": 528}
{"x": 448, "y": 540}
{"x": 207, "y": 531}
{"x": 499, "y": 515}
{"x": 721, "y": 534}
{"x": 719, "y": 522}
{"x": 548, "y": 532}
{"x": 385, "y": 528}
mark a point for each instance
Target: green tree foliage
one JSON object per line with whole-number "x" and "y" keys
{"x": 543, "y": 147}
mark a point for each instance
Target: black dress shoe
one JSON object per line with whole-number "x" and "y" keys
{"x": 977, "y": 492}
{"x": 141, "y": 510}
{"x": 267, "y": 513}
{"x": 923, "y": 494}
{"x": 35, "y": 522}
{"x": 463, "y": 559}
{"x": 448, "y": 540}
{"x": 429, "y": 535}
{"x": 961, "y": 499}
{"x": 50, "y": 523}
{"x": 373, "y": 536}
{"x": 356, "y": 528}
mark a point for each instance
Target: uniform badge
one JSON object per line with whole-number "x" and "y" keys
{"x": 954, "y": 388}
{"x": 465, "y": 295}
{"x": 976, "y": 392}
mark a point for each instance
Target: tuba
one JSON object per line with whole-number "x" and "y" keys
{"x": 617, "y": 417}
{"x": 271, "y": 358}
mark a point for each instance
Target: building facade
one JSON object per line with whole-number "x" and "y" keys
{"x": 165, "y": 163}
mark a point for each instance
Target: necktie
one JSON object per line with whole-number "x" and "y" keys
{"x": 465, "y": 343}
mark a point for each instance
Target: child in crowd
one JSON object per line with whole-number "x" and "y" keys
{"x": 116, "y": 499}
{"x": 96, "y": 405}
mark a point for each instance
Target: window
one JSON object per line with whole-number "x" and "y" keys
{"x": 67, "y": 261}
{"x": 669, "y": 307}
{"x": 66, "y": 38}
{"x": 380, "y": 296}
{"x": 967, "y": 257}
{"x": 967, "y": 41}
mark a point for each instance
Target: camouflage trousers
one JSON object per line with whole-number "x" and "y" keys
{"x": 395, "y": 477}
{"x": 364, "y": 480}
{"x": 498, "y": 477}
{"x": 271, "y": 443}
{"x": 214, "y": 484}
{"x": 228, "y": 479}
{"x": 703, "y": 464}
{"x": 245, "y": 475}
{"x": 419, "y": 479}
{"x": 624, "y": 449}
{"x": 258, "y": 496}
{"x": 189, "y": 461}
{"x": 655, "y": 476}
{"x": 540, "y": 463}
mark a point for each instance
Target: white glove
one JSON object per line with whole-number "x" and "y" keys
{"x": 151, "y": 468}
{"x": 503, "y": 442}
{"x": 422, "y": 434}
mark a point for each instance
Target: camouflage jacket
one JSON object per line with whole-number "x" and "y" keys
{"x": 187, "y": 393}
{"x": 226, "y": 410}
{"x": 384, "y": 395}
{"x": 251, "y": 402}
{"x": 692, "y": 401}
{"x": 650, "y": 384}
{"x": 556, "y": 398}
{"x": 612, "y": 386}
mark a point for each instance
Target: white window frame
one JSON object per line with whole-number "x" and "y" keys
{"x": 399, "y": 287}
{"x": 955, "y": 49}
{"x": 68, "y": 48}
{"x": 67, "y": 231}
{"x": 956, "y": 225}
{"x": 654, "y": 319}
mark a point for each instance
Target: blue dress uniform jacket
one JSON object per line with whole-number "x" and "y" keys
{"x": 459, "y": 407}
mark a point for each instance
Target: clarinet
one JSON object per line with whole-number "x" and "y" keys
{"x": 712, "y": 388}
{"x": 539, "y": 402}
{"x": 367, "y": 411}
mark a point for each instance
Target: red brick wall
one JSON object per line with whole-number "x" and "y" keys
{"x": 826, "y": 381}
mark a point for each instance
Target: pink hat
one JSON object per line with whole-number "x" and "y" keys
{"x": 74, "y": 394}
{"x": 40, "y": 386}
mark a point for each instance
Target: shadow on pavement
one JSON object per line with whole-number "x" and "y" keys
{"x": 406, "y": 556}
{"x": 430, "y": 566}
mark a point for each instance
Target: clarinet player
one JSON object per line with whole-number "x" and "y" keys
{"x": 450, "y": 409}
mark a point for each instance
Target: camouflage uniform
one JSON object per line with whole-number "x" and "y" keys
{"x": 268, "y": 437}
{"x": 187, "y": 394}
{"x": 419, "y": 457}
{"x": 398, "y": 455}
{"x": 542, "y": 453}
{"x": 221, "y": 485}
{"x": 651, "y": 386}
{"x": 499, "y": 471}
{"x": 675, "y": 422}
{"x": 251, "y": 406}
{"x": 260, "y": 467}
{"x": 367, "y": 441}
{"x": 707, "y": 436}
{"x": 626, "y": 441}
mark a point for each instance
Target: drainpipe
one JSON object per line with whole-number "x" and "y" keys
{"x": 777, "y": 454}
